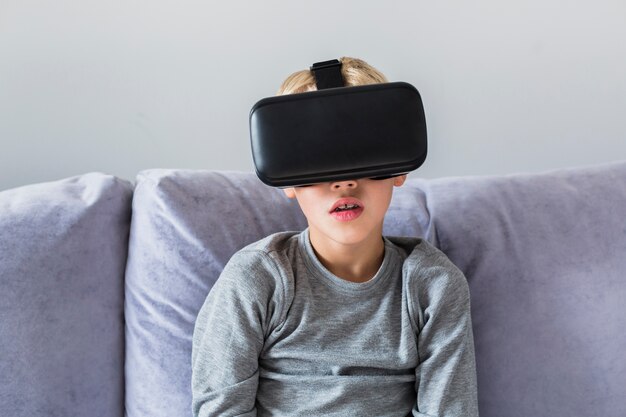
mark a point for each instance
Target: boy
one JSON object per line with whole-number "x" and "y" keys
{"x": 337, "y": 319}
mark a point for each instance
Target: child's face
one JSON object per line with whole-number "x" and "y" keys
{"x": 317, "y": 200}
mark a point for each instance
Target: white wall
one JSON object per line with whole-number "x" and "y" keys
{"x": 121, "y": 86}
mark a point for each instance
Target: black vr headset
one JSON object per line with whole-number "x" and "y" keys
{"x": 336, "y": 133}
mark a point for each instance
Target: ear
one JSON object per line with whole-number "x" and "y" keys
{"x": 398, "y": 181}
{"x": 289, "y": 192}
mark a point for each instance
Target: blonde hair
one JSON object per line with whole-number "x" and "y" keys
{"x": 354, "y": 71}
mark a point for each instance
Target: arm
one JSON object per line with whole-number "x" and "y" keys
{"x": 446, "y": 375}
{"x": 228, "y": 338}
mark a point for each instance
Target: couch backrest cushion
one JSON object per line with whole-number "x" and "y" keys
{"x": 63, "y": 247}
{"x": 186, "y": 224}
{"x": 545, "y": 257}
{"x": 543, "y": 254}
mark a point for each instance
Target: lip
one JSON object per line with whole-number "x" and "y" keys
{"x": 348, "y": 200}
{"x": 348, "y": 215}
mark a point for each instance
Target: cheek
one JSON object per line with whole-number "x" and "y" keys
{"x": 310, "y": 205}
{"x": 382, "y": 200}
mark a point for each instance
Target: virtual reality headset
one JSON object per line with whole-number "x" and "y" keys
{"x": 338, "y": 133}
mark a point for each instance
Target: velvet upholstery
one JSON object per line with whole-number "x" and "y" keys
{"x": 541, "y": 253}
{"x": 63, "y": 247}
{"x": 544, "y": 255}
{"x": 545, "y": 258}
{"x": 185, "y": 226}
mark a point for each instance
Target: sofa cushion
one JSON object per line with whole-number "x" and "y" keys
{"x": 63, "y": 247}
{"x": 186, "y": 224}
{"x": 545, "y": 258}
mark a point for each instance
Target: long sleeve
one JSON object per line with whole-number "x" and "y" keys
{"x": 229, "y": 335}
{"x": 446, "y": 374}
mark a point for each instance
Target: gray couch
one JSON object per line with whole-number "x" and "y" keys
{"x": 101, "y": 280}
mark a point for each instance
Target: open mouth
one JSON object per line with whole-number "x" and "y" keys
{"x": 346, "y": 203}
{"x": 347, "y": 208}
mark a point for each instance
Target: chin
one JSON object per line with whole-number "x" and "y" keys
{"x": 347, "y": 234}
{"x": 348, "y": 239}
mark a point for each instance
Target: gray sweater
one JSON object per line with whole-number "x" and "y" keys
{"x": 280, "y": 335}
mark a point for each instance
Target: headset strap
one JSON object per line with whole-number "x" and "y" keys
{"x": 327, "y": 74}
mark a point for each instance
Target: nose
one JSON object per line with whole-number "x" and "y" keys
{"x": 335, "y": 185}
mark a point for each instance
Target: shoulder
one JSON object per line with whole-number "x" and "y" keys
{"x": 258, "y": 255}
{"x": 437, "y": 278}
{"x": 433, "y": 282}
{"x": 436, "y": 260}
{"x": 418, "y": 253}
{"x": 254, "y": 266}
{"x": 278, "y": 241}
{"x": 425, "y": 262}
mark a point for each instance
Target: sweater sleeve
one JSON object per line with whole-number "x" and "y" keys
{"x": 229, "y": 334}
{"x": 445, "y": 380}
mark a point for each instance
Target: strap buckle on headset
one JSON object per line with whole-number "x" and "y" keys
{"x": 327, "y": 74}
